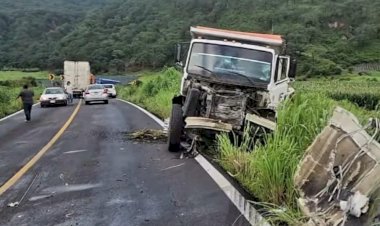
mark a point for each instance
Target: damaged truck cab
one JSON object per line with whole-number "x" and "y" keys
{"x": 230, "y": 78}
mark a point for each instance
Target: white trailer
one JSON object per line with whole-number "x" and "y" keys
{"x": 78, "y": 73}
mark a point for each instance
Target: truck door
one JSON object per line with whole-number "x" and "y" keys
{"x": 279, "y": 90}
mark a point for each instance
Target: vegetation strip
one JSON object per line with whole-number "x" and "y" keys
{"x": 117, "y": 35}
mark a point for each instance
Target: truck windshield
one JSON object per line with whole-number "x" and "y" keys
{"x": 230, "y": 62}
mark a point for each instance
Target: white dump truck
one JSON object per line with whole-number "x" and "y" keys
{"x": 230, "y": 78}
{"x": 79, "y": 75}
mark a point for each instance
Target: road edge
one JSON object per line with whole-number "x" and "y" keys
{"x": 242, "y": 204}
{"x": 14, "y": 114}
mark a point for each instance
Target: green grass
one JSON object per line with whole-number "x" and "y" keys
{"x": 155, "y": 93}
{"x": 17, "y": 75}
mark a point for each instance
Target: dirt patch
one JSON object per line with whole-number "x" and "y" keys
{"x": 147, "y": 135}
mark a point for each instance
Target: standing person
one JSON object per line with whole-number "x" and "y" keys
{"x": 69, "y": 91}
{"x": 27, "y": 100}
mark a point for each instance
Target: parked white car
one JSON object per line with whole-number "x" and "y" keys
{"x": 95, "y": 93}
{"x": 111, "y": 90}
{"x": 53, "y": 96}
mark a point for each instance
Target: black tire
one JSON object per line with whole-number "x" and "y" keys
{"x": 65, "y": 104}
{"x": 42, "y": 106}
{"x": 106, "y": 101}
{"x": 176, "y": 126}
{"x": 86, "y": 103}
{"x": 191, "y": 104}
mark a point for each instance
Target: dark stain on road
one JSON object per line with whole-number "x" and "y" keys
{"x": 146, "y": 136}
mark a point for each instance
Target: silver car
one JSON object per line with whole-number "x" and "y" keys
{"x": 53, "y": 96}
{"x": 111, "y": 90}
{"x": 95, "y": 93}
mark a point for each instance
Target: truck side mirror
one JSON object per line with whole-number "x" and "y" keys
{"x": 181, "y": 50}
{"x": 293, "y": 69}
{"x": 178, "y": 56}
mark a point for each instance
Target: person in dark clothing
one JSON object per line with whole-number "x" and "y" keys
{"x": 27, "y": 100}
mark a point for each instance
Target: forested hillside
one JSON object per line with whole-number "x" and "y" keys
{"x": 327, "y": 36}
{"x": 30, "y": 30}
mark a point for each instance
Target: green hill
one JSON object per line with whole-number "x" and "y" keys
{"x": 327, "y": 36}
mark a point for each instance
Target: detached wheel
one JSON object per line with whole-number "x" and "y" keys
{"x": 176, "y": 126}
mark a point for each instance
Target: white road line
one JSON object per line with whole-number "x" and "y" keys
{"x": 155, "y": 118}
{"x": 16, "y": 113}
{"x": 243, "y": 205}
{"x": 76, "y": 151}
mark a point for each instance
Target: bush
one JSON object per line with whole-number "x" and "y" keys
{"x": 31, "y": 81}
{"x": 31, "y": 70}
{"x": 155, "y": 93}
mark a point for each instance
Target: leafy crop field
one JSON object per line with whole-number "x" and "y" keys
{"x": 266, "y": 170}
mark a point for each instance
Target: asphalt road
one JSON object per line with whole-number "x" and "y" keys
{"x": 95, "y": 175}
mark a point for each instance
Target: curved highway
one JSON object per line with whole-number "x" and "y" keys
{"x": 94, "y": 175}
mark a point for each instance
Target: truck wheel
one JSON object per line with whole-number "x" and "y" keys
{"x": 176, "y": 126}
{"x": 191, "y": 103}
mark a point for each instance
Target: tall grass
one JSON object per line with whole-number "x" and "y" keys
{"x": 266, "y": 171}
{"x": 155, "y": 92}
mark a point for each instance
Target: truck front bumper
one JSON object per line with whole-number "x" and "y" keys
{"x": 207, "y": 123}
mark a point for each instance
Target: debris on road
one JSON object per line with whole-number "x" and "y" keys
{"x": 39, "y": 197}
{"x": 339, "y": 174}
{"x": 16, "y": 204}
{"x": 148, "y": 135}
{"x": 69, "y": 214}
{"x": 13, "y": 204}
